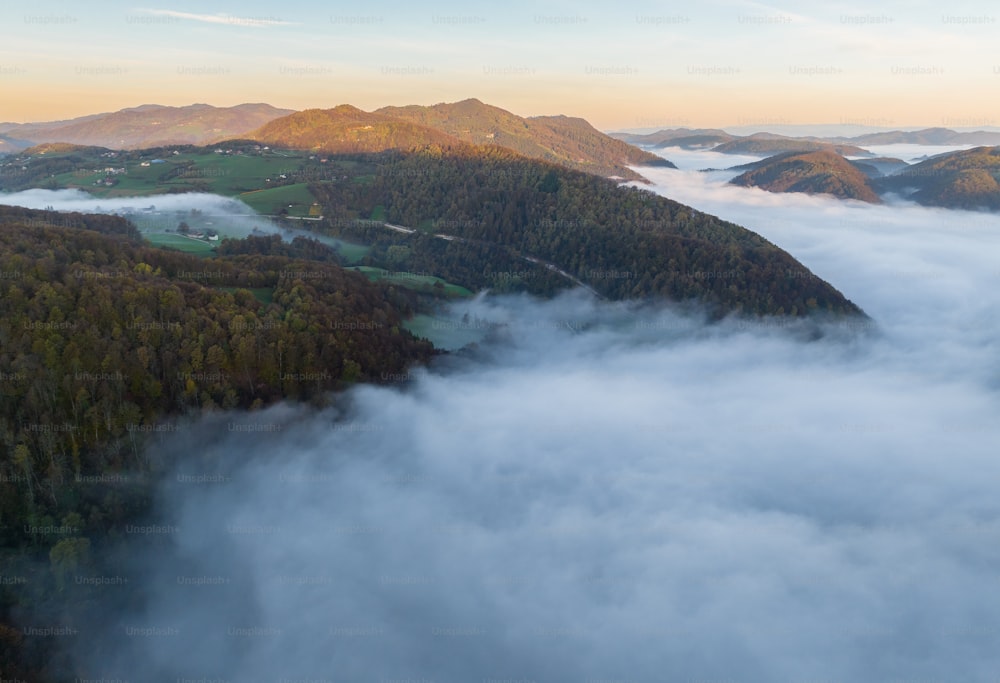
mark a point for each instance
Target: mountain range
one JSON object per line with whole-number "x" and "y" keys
{"x": 694, "y": 138}
{"x": 568, "y": 141}
{"x": 965, "y": 179}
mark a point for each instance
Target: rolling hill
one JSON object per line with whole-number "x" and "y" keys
{"x": 349, "y": 130}
{"x": 819, "y": 172}
{"x": 965, "y": 179}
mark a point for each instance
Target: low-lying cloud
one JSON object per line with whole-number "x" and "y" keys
{"x": 155, "y": 213}
{"x": 604, "y": 492}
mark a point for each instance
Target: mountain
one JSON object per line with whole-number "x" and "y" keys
{"x": 349, "y": 130}
{"x": 564, "y": 140}
{"x": 819, "y": 172}
{"x": 770, "y": 144}
{"x": 568, "y": 141}
{"x": 573, "y": 142}
{"x": 966, "y": 179}
{"x": 151, "y": 126}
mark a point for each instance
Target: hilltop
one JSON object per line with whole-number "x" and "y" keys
{"x": 819, "y": 172}
{"x": 965, "y": 179}
{"x": 565, "y": 140}
{"x": 348, "y": 130}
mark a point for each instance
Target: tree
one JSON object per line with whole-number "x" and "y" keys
{"x": 66, "y": 557}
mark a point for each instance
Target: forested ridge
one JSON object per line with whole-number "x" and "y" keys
{"x": 106, "y": 342}
{"x": 966, "y": 179}
{"x": 820, "y": 172}
{"x": 624, "y": 242}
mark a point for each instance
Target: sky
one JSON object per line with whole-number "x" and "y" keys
{"x": 611, "y": 492}
{"x": 646, "y": 64}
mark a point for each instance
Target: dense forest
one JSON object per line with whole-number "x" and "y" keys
{"x": 105, "y": 343}
{"x": 624, "y": 242}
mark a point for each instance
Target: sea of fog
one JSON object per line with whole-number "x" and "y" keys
{"x": 609, "y": 492}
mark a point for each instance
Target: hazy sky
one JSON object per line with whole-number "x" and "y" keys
{"x": 715, "y": 62}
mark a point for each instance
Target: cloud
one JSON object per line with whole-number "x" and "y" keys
{"x": 224, "y": 19}
{"x": 614, "y": 492}
{"x": 230, "y": 217}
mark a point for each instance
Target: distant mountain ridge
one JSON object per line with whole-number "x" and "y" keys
{"x": 705, "y": 137}
{"x": 150, "y": 125}
{"x": 928, "y": 136}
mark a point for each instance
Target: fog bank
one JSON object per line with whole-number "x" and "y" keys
{"x": 604, "y": 492}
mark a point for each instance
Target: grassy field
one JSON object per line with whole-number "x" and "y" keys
{"x": 246, "y": 177}
{"x": 412, "y": 280}
{"x": 295, "y": 199}
{"x": 445, "y": 333}
{"x": 185, "y": 244}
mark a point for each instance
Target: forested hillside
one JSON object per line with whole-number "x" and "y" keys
{"x": 821, "y": 172}
{"x": 966, "y": 179}
{"x": 625, "y": 243}
{"x": 105, "y": 343}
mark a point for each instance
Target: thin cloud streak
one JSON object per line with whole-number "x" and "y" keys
{"x": 224, "y": 19}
